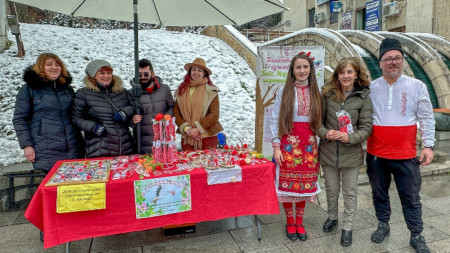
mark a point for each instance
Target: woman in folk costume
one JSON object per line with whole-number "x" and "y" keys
{"x": 197, "y": 108}
{"x": 296, "y": 119}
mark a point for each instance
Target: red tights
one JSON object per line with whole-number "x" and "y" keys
{"x": 298, "y": 221}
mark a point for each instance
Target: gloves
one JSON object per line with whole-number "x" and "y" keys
{"x": 99, "y": 130}
{"x": 120, "y": 116}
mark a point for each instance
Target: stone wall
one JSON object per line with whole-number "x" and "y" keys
{"x": 419, "y": 16}
{"x": 297, "y": 16}
{"x": 441, "y": 14}
{"x": 221, "y": 33}
{"x": 443, "y": 141}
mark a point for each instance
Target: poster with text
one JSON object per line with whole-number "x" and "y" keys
{"x": 271, "y": 70}
{"x": 346, "y": 21}
{"x": 372, "y": 15}
{"x": 161, "y": 196}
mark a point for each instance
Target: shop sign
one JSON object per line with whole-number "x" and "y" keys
{"x": 372, "y": 15}
{"x": 335, "y": 7}
{"x": 320, "y": 2}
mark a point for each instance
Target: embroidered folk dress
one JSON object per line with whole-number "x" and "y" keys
{"x": 296, "y": 179}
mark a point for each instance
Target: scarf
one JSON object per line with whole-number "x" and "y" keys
{"x": 147, "y": 87}
{"x": 303, "y": 98}
{"x": 191, "y": 107}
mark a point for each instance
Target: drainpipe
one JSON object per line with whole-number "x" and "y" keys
{"x": 434, "y": 18}
{"x": 380, "y": 17}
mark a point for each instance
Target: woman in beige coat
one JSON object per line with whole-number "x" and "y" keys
{"x": 346, "y": 125}
{"x": 197, "y": 108}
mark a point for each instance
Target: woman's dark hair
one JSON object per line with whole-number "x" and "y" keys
{"x": 288, "y": 99}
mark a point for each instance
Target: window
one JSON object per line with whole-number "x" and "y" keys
{"x": 361, "y": 19}
{"x": 311, "y": 17}
{"x": 334, "y": 17}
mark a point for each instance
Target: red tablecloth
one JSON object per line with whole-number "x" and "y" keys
{"x": 255, "y": 195}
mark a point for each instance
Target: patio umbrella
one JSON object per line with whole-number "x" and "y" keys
{"x": 162, "y": 12}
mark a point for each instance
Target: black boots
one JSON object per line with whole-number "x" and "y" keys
{"x": 329, "y": 225}
{"x": 418, "y": 243}
{"x": 381, "y": 232}
{"x": 346, "y": 238}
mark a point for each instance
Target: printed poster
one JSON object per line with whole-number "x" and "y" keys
{"x": 271, "y": 70}
{"x": 161, "y": 196}
{"x": 372, "y": 16}
{"x": 346, "y": 21}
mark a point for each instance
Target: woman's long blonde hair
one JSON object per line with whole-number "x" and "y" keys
{"x": 38, "y": 67}
{"x": 333, "y": 83}
{"x": 288, "y": 99}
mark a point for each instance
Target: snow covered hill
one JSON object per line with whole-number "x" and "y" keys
{"x": 167, "y": 50}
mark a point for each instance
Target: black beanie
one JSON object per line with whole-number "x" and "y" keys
{"x": 389, "y": 44}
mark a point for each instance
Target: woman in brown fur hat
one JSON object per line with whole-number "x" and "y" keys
{"x": 197, "y": 108}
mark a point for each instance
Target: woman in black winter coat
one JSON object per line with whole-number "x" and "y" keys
{"x": 103, "y": 111}
{"x": 42, "y": 114}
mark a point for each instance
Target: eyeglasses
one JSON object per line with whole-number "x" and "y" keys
{"x": 391, "y": 60}
{"x": 144, "y": 74}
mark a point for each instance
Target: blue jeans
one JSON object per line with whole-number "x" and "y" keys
{"x": 408, "y": 180}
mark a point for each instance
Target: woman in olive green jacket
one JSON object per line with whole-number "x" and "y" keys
{"x": 347, "y": 123}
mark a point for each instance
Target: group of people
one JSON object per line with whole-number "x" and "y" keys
{"x": 53, "y": 122}
{"x": 349, "y": 111}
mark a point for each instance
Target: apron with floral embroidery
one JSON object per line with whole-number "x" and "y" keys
{"x": 300, "y": 168}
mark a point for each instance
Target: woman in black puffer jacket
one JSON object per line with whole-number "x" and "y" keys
{"x": 42, "y": 114}
{"x": 103, "y": 111}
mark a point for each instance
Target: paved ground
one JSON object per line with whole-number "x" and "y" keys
{"x": 240, "y": 234}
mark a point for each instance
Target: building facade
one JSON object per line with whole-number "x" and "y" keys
{"x": 418, "y": 16}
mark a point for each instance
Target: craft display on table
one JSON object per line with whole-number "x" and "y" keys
{"x": 81, "y": 172}
{"x": 123, "y": 166}
{"x": 164, "y": 147}
{"x": 221, "y": 158}
{"x": 146, "y": 166}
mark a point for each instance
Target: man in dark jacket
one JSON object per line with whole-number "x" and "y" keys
{"x": 156, "y": 98}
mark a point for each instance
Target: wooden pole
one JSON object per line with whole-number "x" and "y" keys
{"x": 20, "y": 47}
{"x": 3, "y": 23}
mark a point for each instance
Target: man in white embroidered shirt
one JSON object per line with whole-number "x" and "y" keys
{"x": 399, "y": 102}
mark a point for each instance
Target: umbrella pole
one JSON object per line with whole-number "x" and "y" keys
{"x": 137, "y": 89}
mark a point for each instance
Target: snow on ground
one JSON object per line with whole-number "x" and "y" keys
{"x": 168, "y": 51}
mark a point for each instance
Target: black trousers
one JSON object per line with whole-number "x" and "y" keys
{"x": 408, "y": 180}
